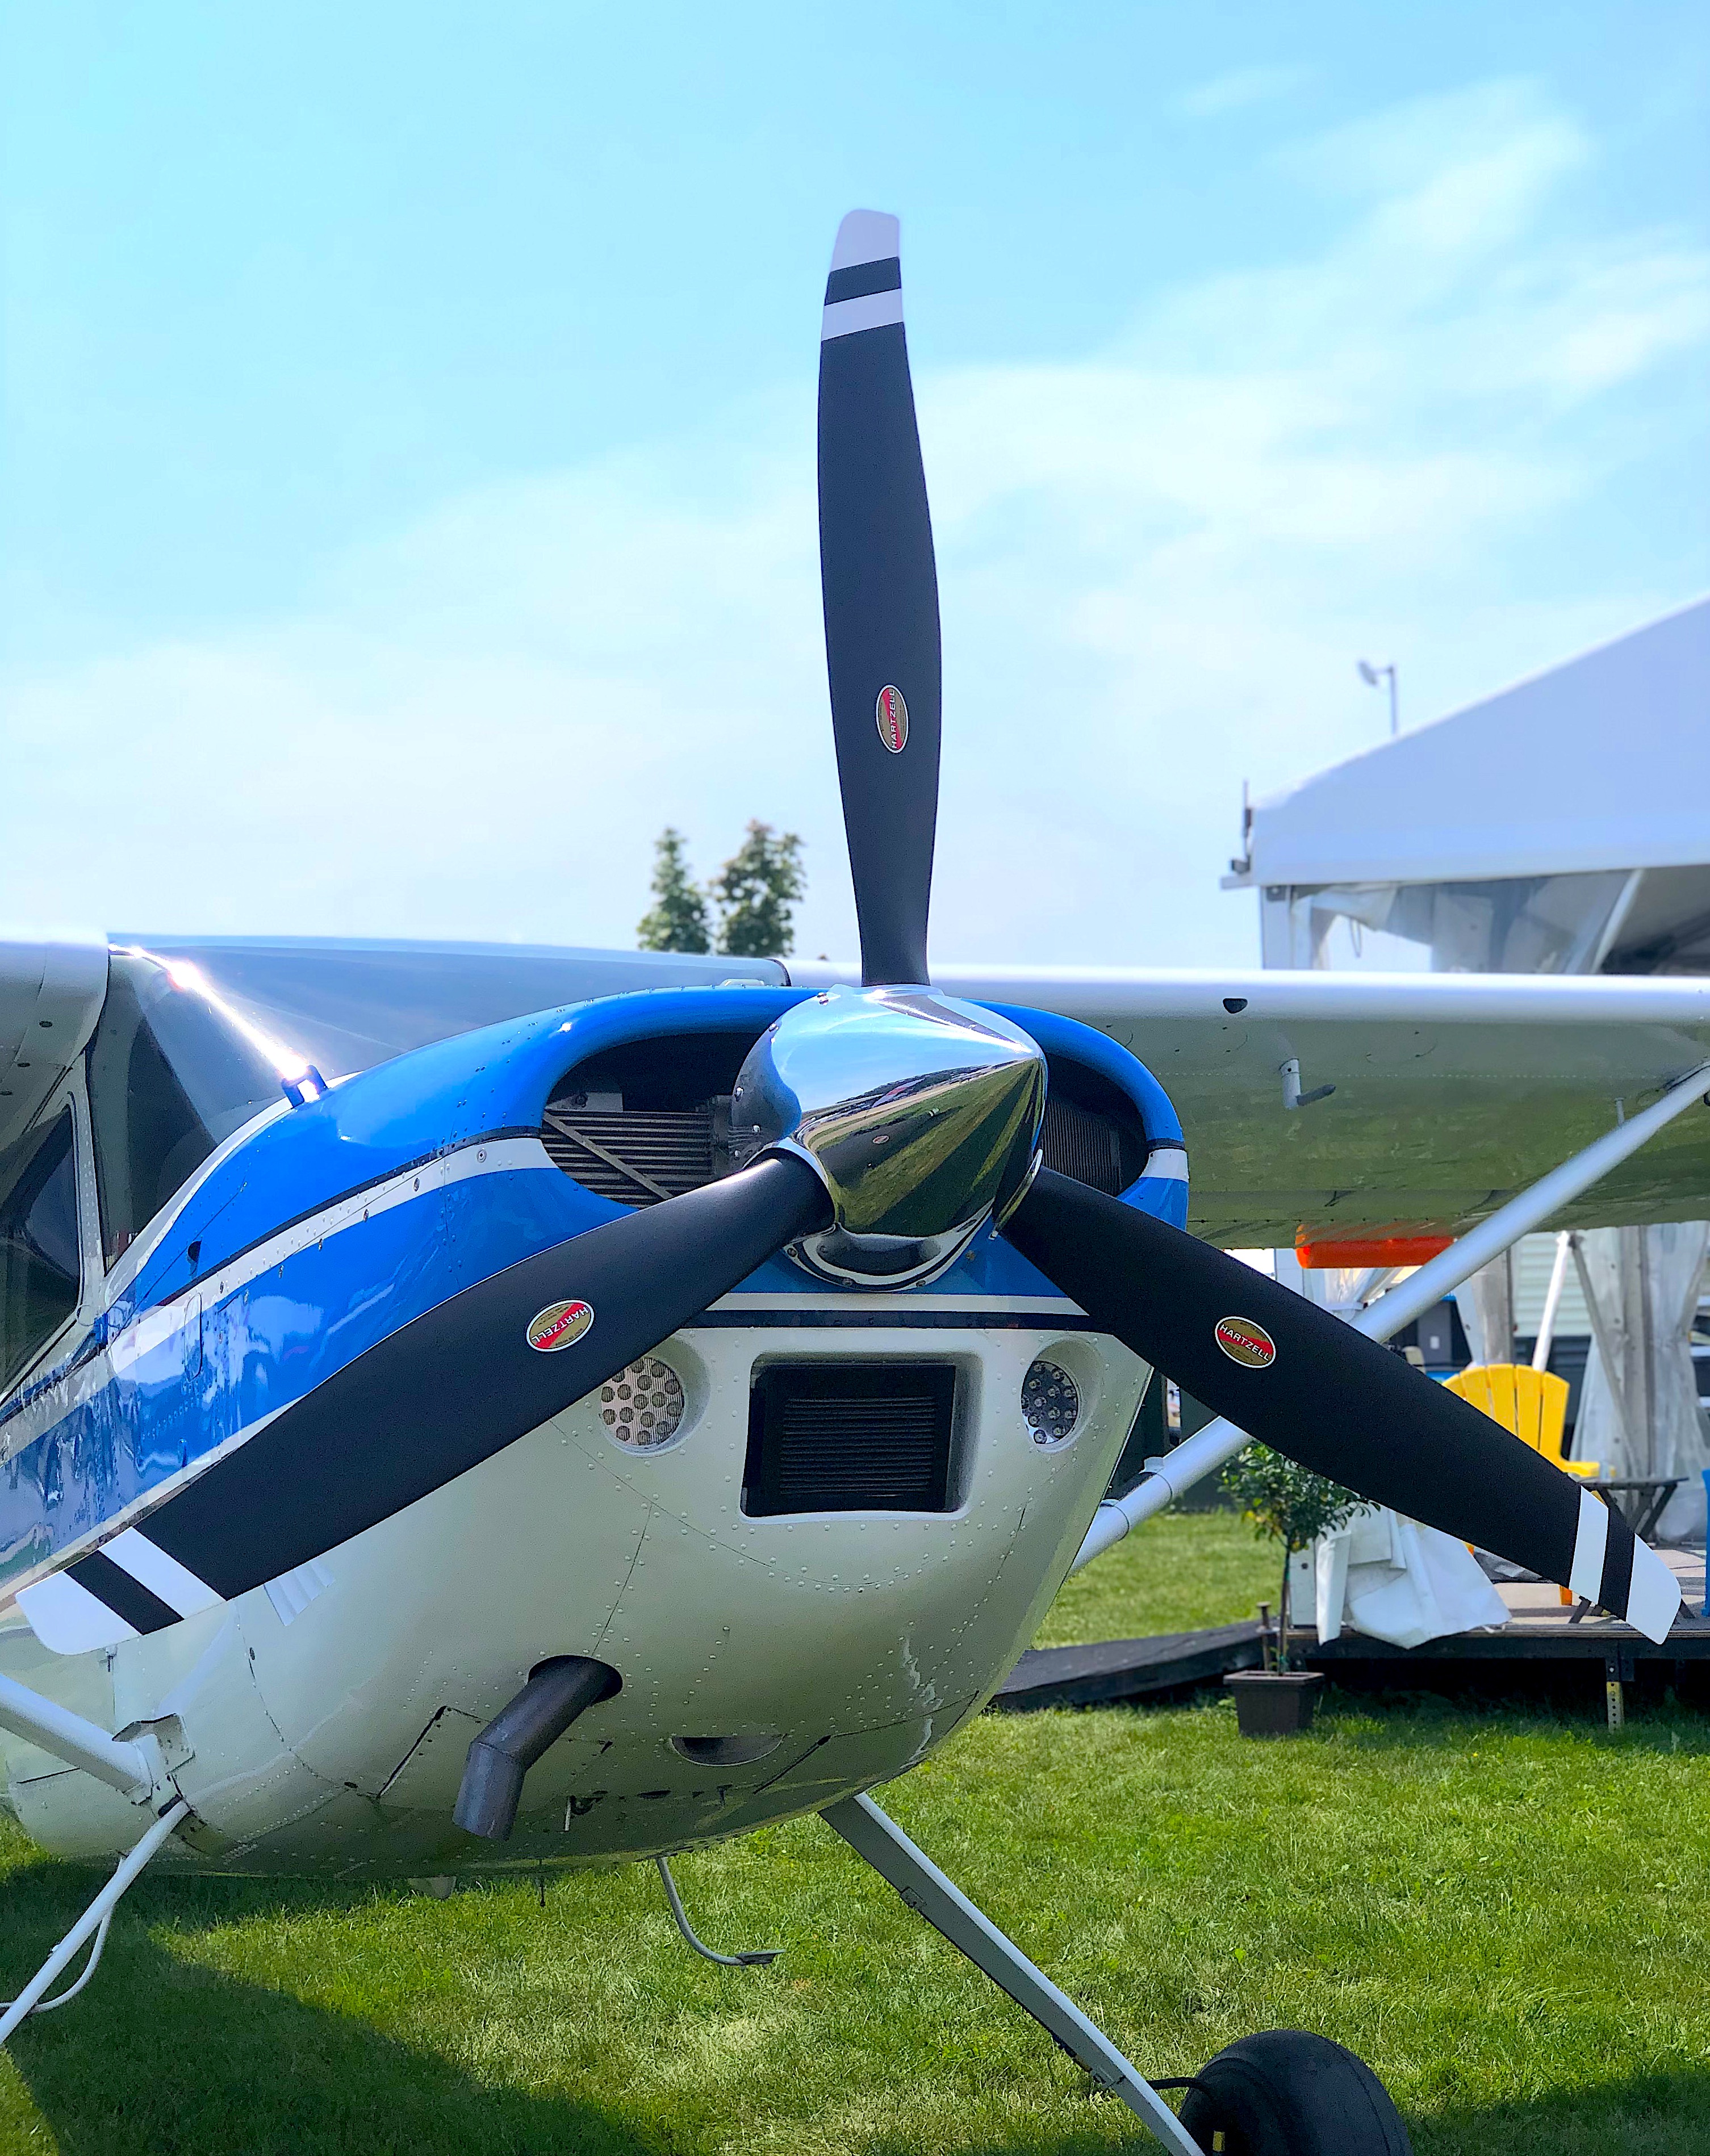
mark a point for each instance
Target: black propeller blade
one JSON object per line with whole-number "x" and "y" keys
{"x": 880, "y": 589}
{"x": 452, "y": 1387}
{"x": 1303, "y": 1382}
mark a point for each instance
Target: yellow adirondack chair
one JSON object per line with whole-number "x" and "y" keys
{"x": 1532, "y": 1403}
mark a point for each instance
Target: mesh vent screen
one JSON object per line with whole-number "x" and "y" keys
{"x": 850, "y": 1438}
{"x": 1081, "y": 1142}
{"x": 637, "y": 1155}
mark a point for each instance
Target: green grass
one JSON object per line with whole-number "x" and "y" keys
{"x": 1180, "y": 1572}
{"x": 1508, "y": 1913}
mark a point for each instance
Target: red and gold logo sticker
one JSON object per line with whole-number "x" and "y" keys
{"x": 559, "y": 1325}
{"x": 1244, "y": 1343}
{"x": 891, "y": 714}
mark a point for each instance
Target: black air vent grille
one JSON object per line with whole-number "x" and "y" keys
{"x": 1081, "y": 1142}
{"x": 845, "y": 1437}
{"x": 636, "y": 1156}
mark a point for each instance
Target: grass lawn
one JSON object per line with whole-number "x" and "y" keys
{"x": 1182, "y": 1571}
{"x": 1505, "y": 1911}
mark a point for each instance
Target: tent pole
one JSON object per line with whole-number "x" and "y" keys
{"x": 1613, "y": 1372}
{"x": 1552, "y": 1303}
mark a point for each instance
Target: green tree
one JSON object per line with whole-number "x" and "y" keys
{"x": 678, "y": 920}
{"x": 754, "y": 891}
{"x": 1289, "y": 1503}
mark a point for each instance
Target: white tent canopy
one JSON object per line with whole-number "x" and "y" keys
{"x": 1560, "y": 827}
{"x": 1602, "y": 764}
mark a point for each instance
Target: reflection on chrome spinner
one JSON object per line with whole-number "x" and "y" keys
{"x": 919, "y": 1113}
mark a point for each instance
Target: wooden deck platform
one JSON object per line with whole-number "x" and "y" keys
{"x": 1540, "y": 1632}
{"x": 1128, "y": 1669}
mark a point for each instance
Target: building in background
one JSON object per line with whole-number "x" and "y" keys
{"x": 1561, "y": 826}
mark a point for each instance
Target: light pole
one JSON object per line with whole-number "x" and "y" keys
{"x": 1371, "y": 676}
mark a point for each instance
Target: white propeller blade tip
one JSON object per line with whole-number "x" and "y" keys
{"x": 866, "y": 235}
{"x": 1655, "y": 1598}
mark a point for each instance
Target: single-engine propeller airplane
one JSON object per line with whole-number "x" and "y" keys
{"x": 465, "y": 1408}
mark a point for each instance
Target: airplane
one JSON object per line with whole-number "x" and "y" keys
{"x": 470, "y": 1407}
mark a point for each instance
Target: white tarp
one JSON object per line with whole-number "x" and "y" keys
{"x": 1602, "y": 763}
{"x": 1385, "y": 1575}
{"x": 1381, "y": 1573}
{"x": 1646, "y": 1282}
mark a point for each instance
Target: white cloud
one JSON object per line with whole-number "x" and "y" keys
{"x": 1241, "y": 90}
{"x": 1158, "y": 564}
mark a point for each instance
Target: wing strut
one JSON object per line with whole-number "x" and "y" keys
{"x": 92, "y": 1924}
{"x": 1218, "y": 1441}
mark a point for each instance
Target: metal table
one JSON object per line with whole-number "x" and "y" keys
{"x": 1646, "y": 1495}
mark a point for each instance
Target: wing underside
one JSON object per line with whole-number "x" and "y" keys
{"x": 1451, "y": 1091}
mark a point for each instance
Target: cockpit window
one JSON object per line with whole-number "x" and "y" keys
{"x": 38, "y": 1270}
{"x": 170, "y": 1076}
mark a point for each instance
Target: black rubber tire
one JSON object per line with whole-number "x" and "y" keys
{"x": 1287, "y": 2092}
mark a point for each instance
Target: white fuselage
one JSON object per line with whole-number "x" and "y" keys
{"x": 769, "y": 1664}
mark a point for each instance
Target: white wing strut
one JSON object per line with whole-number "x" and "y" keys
{"x": 134, "y": 1770}
{"x": 1208, "y": 1449}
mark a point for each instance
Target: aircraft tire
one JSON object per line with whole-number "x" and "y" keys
{"x": 1287, "y": 2092}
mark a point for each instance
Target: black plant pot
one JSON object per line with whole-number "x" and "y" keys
{"x": 1274, "y": 1702}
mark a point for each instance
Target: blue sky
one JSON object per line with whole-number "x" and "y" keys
{"x": 407, "y": 464}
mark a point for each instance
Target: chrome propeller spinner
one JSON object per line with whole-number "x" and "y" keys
{"x": 919, "y": 1114}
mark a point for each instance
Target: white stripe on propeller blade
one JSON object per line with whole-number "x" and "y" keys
{"x": 1592, "y": 1539}
{"x": 177, "y": 1586}
{"x": 873, "y": 312}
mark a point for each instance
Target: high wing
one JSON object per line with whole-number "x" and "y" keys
{"x": 50, "y": 997}
{"x": 1452, "y": 1090}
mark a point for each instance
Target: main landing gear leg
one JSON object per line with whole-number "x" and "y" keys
{"x": 924, "y": 1888}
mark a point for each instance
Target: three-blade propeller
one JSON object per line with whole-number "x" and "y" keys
{"x": 474, "y": 1374}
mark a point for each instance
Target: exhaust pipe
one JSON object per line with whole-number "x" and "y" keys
{"x": 557, "y": 1691}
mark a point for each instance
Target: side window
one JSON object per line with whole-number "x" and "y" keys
{"x": 38, "y": 1270}
{"x": 169, "y": 1078}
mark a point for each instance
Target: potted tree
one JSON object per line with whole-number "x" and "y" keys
{"x": 1291, "y": 1504}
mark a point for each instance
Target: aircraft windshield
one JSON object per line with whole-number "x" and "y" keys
{"x": 170, "y": 1075}
{"x": 39, "y": 1271}
{"x": 345, "y": 1007}
{"x": 195, "y": 1036}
